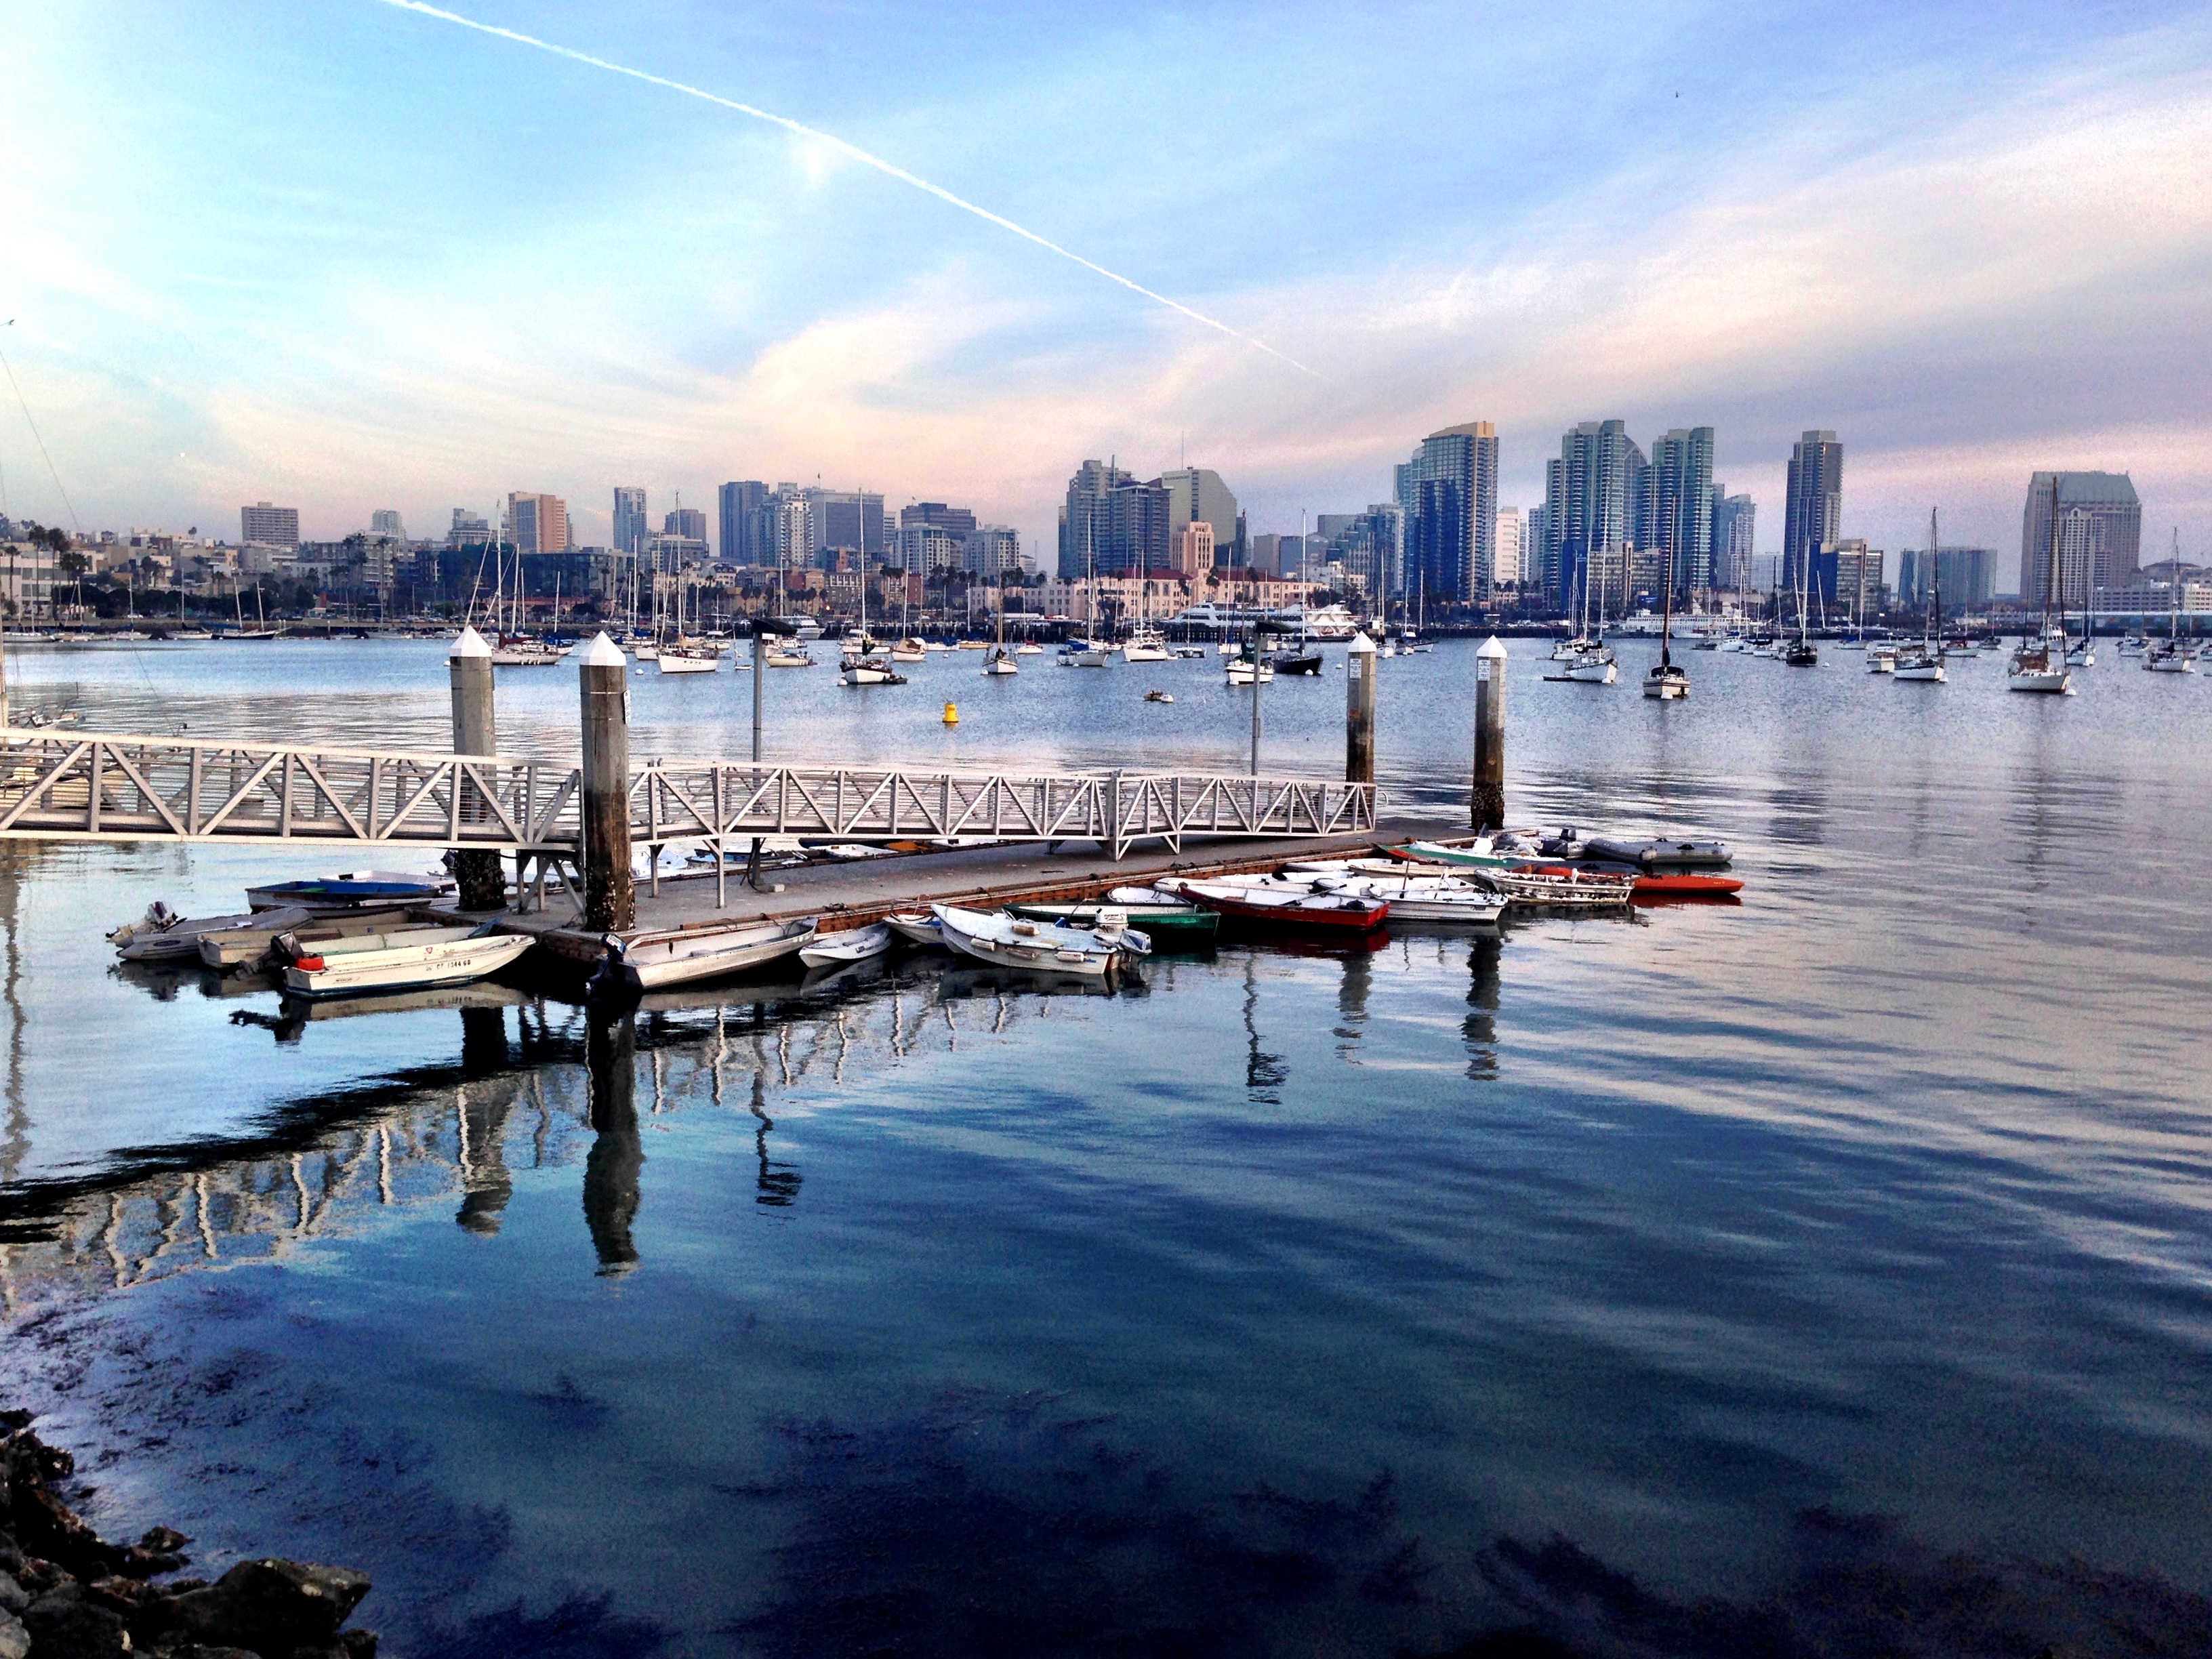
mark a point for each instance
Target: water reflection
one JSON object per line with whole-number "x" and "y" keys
{"x": 616, "y": 1160}
{"x": 1479, "y": 1031}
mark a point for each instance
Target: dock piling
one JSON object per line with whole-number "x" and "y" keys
{"x": 481, "y": 884}
{"x": 1359, "y": 710}
{"x": 1489, "y": 803}
{"x": 610, "y": 895}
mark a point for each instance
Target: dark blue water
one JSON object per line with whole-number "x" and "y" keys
{"x": 1279, "y": 1304}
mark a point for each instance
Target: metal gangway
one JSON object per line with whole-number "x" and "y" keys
{"x": 86, "y": 786}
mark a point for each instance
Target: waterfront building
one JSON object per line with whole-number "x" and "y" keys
{"x": 270, "y": 526}
{"x": 1682, "y": 494}
{"x": 687, "y": 522}
{"x": 1735, "y": 521}
{"x": 538, "y": 523}
{"x": 385, "y": 521}
{"x": 1812, "y": 511}
{"x": 925, "y": 548}
{"x": 1447, "y": 494}
{"x": 1855, "y": 586}
{"x": 2100, "y": 535}
{"x": 630, "y": 526}
{"x": 848, "y": 522}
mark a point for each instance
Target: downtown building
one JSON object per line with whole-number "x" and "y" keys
{"x": 630, "y": 526}
{"x": 1446, "y": 499}
{"x": 1110, "y": 522}
{"x": 1813, "y": 514}
{"x": 537, "y": 523}
{"x": 2099, "y": 536}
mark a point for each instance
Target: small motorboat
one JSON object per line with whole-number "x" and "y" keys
{"x": 917, "y": 927}
{"x": 1158, "y": 697}
{"x": 1042, "y": 947}
{"x": 682, "y": 956}
{"x": 1294, "y": 908}
{"x": 853, "y": 944}
{"x": 910, "y": 650}
{"x": 357, "y": 891}
{"x": 1164, "y": 919}
{"x": 403, "y": 961}
{"x": 163, "y": 935}
{"x": 253, "y": 941}
{"x": 1241, "y": 672}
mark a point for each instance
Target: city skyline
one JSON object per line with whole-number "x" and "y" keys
{"x": 267, "y": 278}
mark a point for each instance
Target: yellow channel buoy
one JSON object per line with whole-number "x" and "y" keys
{"x": 952, "y": 714}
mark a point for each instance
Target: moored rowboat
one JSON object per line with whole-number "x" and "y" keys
{"x": 1294, "y": 908}
{"x": 854, "y": 945}
{"x": 402, "y": 961}
{"x": 679, "y": 955}
{"x": 1040, "y": 946}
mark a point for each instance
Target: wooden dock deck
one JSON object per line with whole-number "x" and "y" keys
{"x": 855, "y": 893}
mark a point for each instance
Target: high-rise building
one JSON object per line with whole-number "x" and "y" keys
{"x": 924, "y": 548}
{"x": 992, "y": 550}
{"x": 1512, "y": 541}
{"x": 1855, "y": 588}
{"x": 1682, "y": 505}
{"x": 2100, "y": 535}
{"x": 385, "y": 521}
{"x": 1457, "y": 551}
{"x": 793, "y": 523}
{"x": 1586, "y": 504}
{"x": 1197, "y": 492}
{"x": 270, "y": 526}
{"x": 539, "y": 523}
{"x": 1965, "y": 577}
{"x": 848, "y": 522}
{"x": 1813, "y": 514}
{"x": 1131, "y": 529}
{"x": 738, "y": 511}
{"x": 688, "y": 522}
{"x": 957, "y": 520}
{"x": 630, "y": 527}
{"x": 1094, "y": 481}
{"x": 469, "y": 529}
{"x": 1735, "y": 518}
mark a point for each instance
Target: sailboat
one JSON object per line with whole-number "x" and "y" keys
{"x": 2039, "y": 665}
{"x": 1589, "y": 660}
{"x": 861, "y": 663}
{"x": 1802, "y": 652}
{"x": 1002, "y": 661}
{"x": 684, "y": 655}
{"x": 2168, "y": 657}
{"x": 1667, "y": 681}
{"x": 1924, "y": 663}
{"x": 260, "y": 631}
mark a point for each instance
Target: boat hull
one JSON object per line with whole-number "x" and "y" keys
{"x": 656, "y": 961}
{"x": 405, "y": 966}
{"x": 1180, "y": 923}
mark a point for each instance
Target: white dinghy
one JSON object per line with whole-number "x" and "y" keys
{"x": 1042, "y": 947}
{"x": 250, "y": 944}
{"x": 678, "y": 956}
{"x": 163, "y": 935}
{"x": 403, "y": 961}
{"x": 854, "y": 945}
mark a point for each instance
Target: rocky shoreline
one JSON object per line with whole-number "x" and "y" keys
{"x": 66, "y": 1593}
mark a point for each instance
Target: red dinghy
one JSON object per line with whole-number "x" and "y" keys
{"x": 1683, "y": 886}
{"x": 1318, "y": 916}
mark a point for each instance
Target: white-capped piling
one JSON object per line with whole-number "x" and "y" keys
{"x": 603, "y": 679}
{"x": 1360, "y": 662}
{"x": 1489, "y": 804}
{"x": 476, "y": 875}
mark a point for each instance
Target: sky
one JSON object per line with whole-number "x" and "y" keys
{"x": 344, "y": 255}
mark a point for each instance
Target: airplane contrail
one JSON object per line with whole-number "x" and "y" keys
{"x": 849, "y": 149}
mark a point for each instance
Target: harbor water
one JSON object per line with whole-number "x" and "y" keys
{"x": 1274, "y": 1304}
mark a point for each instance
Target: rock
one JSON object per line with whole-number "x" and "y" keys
{"x": 14, "y": 1598}
{"x": 351, "y": 1644}
{"x": 14, "y": 1640}
{"x": 39, "y": 1577}
{"x": 11, "y": 1556}
{"x": 163, "y": 1540}
{"x": 198, "y": 1651}
{"x": 272, "y": 1606}
{"x": 139, "y": 1562}
{"x": 49, "y": 1526}
{"x": 147, "y": 1613}
{"x": 66, "y": 1627}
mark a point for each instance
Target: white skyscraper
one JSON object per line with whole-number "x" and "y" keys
{"x": 1512, "y": 546}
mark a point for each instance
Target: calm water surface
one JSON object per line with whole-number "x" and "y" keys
{"x": 1247, "y": 1310}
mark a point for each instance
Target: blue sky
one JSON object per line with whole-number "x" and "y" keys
{"x": 336, "y": 253}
